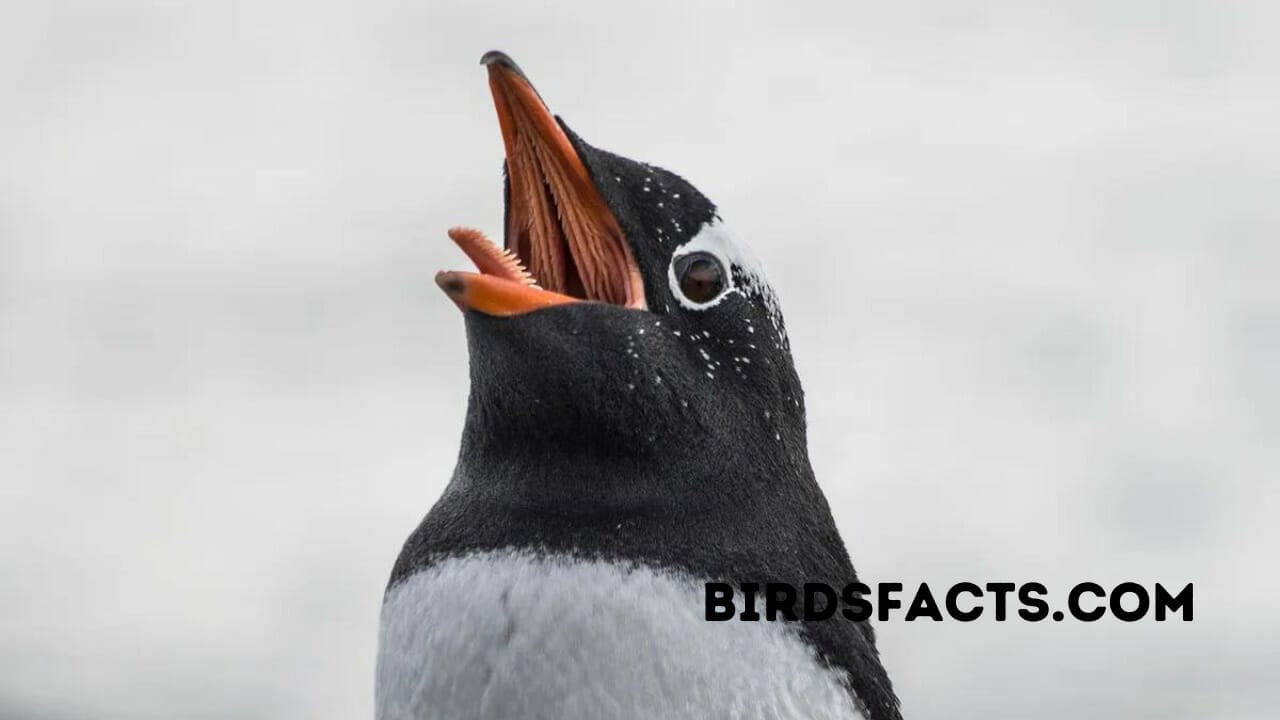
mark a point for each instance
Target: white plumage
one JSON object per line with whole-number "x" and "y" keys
{"x": 514, "y": 635}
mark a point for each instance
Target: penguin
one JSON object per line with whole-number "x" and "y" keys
{"x": 635, "y": 429}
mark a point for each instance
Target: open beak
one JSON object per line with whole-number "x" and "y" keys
{"x": 563, "y": 244}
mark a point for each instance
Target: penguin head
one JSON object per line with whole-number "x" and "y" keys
{"x": 621, "y": 318}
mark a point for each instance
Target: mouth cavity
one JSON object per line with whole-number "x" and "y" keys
{"x": 563, "y": 244}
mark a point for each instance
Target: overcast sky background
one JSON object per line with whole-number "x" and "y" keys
{"x": 1027, "y": 252}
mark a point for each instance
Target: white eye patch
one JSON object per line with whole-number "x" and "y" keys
{"x": 740, "y": 266}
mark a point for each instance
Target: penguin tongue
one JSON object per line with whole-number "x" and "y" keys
{"x": 502, "y": 287}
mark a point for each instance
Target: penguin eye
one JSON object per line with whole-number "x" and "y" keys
{"x": 701, "y": 277}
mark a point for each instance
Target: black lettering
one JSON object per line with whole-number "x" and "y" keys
{"x": 854, "y": 596}
{"x": 1073, "y": 601}
{"x": 883, "y": 599}
{"x": 749, "y": 591}
{"x": 719, "y": 601}
{"x": 811, "y": 593}
{"x": 1129, "y": 588}
{"x": 953, "y": 606}
{"x": 923, "y": 604}
{"x": 779, "y": 598}
{"x": 1166, "y": 602}
{"x": 1001, "y": 590}
{"x": 1031, "y": 595}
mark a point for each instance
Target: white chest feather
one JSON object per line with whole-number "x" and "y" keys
{"x": 506, "y": 635}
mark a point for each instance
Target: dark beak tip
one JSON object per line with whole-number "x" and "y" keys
{"x": 501, "y": 59}
{"x": 450, "y": 283}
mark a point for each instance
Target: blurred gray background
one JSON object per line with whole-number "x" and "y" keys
{"x": 1027, "y": 252}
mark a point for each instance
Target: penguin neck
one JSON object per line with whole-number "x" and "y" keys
{"x": 564, "y": 462}
{"x": 562, "y": 418}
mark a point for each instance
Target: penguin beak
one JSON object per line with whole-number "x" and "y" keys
{"x": 563, "y": 244}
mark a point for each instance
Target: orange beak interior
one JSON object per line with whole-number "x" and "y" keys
{"x": 563, "y": 243}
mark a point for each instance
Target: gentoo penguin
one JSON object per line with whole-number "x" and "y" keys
{"x": 635, "y": 430}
